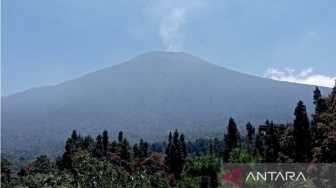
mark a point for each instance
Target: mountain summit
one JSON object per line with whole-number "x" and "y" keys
{"x": 151, "y": 94}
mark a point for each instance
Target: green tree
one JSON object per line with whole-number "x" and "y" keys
{"x": 326, "y": 124}
{"x": 250, "y": 131}
{"x": 125, "y": 153}
{"x": 249, "y": 137}
{"x": 231, "y": 139}
{"x": 88, "y": 143}
{"x": 135, "y": 151}
{"x": 120, "y": 137}
{"x": 301, "y": 134}
{"x": 242, "y": 155}
{"x": 183, "y": 147}
{"x": 74, "y": 135}
{"x": 43, "y": 164}
{"x": 287, "y": 152}
{"x": 98, "y": 149}
{"x": 5, "y": 170}
{"x": 175, "y": 155}
{"x": 144, "y": 150}
{"x": 202, "y": 171}
{"x": 271, "y": 144}
{"x": 67, "y": 159}
{"x": 105, "y": 142}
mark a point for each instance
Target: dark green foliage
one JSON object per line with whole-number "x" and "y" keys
{"x": 218, "y": 147}
{"x": 158, "y": 147}
{"x": 98, "y": 149}
{"x": 250, "y": 132}
{"x": 66, "y": 159}
{"x": 249, "y": 137}
{"x": 301, "y": 134}
{"x": 125, "y": 153}
{"x": 202, "y": 171}
{"x": 135, "y": 151}
{"x": 120, "y": 137}
{"x": 144, "y": 150}
{"x": 74, "y": 135}
{"x": 80, "y": 167}
{"x": 105, "y": 142}
{"x": 319, "y": 102}
{"x": 267, "y": 141}
{"x": 324, "y": 128}
{"x": 114, "y": 147}
{"x": 101, "y": 163}
{"x": 183, "y": 146}
{"x": 175, "y": 155}
{"x": 88, "y": 143}
{"x": 198, "y": 146}
{"x": 243, "y": 155}
{"x": 41, "y": 165}
{"x": 272, "y": 144}
{"x": 5, "y": 170}
{"x": 287, "y": 152}
{"x": 231, "y": 139}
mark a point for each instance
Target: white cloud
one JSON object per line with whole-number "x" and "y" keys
{"x": 306, "y": 76}
{"x": 172, "y": 16}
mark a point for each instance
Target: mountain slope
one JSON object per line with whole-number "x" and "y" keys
{"x": 147, "y": 97}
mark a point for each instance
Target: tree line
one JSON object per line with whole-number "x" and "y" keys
{"x": 101, "y": 162}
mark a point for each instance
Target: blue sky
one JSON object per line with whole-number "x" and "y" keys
{"x": 48, "y": 42}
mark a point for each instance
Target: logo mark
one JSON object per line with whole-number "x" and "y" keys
{"x": 228, "y": 176}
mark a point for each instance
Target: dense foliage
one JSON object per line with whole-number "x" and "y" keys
{"x": 101, "y": 162}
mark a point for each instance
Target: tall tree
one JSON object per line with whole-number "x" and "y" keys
{"x": 231, "y": 139}
{"x": 249, "y": 137}
{"x": 74, "y": 135}
{"x": 114, "y": 147}
{"x": 88, "y": 143}
{"x": 183, "y": 147}
{"x": 212, "y": 166}
{"x": 271, "y": 144}
{"x": 175, "y": 155}
{"x": 135, "y": 151}
{"x": 144, "y": 150}
{"x": 120, "y": 137}
{"x": 287, "y": 146}
{"x": 125, "y": 150}
{"x": 301, "y": 134}
{"x": 326, "y": 130}
{"x": 320, "y": 102}
{"x": 98, "y": 149}
{"x": 250, "y": 130}
{"x": 67, "y": 158}
{"x": 105, "y": 142}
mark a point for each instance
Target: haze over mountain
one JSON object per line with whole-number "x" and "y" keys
{"x": 149, "y": 95}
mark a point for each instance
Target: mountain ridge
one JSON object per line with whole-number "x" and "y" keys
{"x": 151, "y": 54}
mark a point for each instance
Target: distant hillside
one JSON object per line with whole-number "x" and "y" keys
{"x": 149, "y": 95}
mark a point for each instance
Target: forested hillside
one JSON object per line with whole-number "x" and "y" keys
{"x": 102, "y": 162}
{"x": 146, "y": 97}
